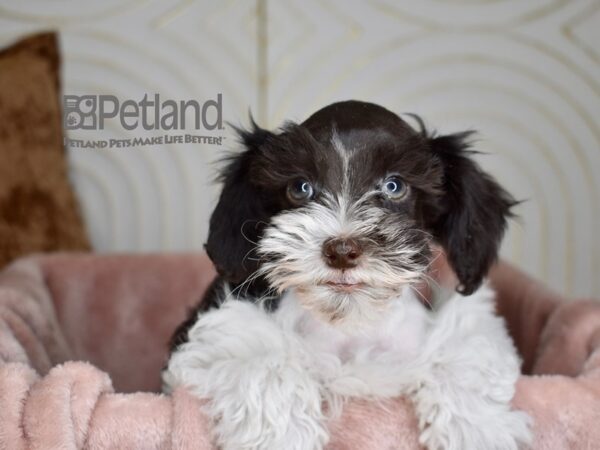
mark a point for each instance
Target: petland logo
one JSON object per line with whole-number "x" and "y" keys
{"x": 94, "y": 112}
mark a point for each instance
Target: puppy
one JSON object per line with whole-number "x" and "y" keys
{"x": 322, "y": 234}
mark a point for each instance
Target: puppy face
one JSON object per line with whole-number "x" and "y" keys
{"x": 344, "y": 208}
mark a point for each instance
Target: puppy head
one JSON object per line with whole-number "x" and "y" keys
{"x": 344, "y": 209}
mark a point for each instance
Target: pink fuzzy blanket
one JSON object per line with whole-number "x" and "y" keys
{"x": 75, "y": 329}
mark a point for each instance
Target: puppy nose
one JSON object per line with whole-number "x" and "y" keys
{"x": 341, "y": 253}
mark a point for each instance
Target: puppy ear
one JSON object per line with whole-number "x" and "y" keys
{"x": 475, "y": 211}
{"x": 237, "y": 221}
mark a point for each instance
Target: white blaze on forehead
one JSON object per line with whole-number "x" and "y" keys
{"x": 344, "y": 153}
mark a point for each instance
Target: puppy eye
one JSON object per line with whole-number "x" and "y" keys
{"x": 394, "y": 188}
{"x": 300, "y": 190}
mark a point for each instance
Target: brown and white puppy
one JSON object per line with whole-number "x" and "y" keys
{"x": 322, "y": 231}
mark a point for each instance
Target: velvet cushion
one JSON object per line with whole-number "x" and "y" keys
{"x": 118, "y": 312}
{"x": 38, "y": 208}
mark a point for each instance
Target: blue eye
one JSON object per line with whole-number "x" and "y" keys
{"x": 300, "y": 190}
{"x": 394, "y": 188}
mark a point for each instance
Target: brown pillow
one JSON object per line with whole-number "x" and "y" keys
{"x": 38, "y": 209}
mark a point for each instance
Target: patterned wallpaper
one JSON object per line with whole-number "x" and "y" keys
{"x": 525, "y": 74}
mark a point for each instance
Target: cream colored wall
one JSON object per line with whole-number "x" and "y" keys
{"x": 526, "y": 74}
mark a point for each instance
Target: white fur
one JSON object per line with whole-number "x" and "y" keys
{"x": 264, "y": 394}
{"x": 291, "y": 247}
{"x": 268, "y": 374}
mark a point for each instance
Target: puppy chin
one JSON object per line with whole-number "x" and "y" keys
{"x": 346, "y": 306}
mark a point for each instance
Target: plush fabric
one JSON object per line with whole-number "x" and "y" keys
{"x": 38, "y": 209}
{"x": 113, "y": 316}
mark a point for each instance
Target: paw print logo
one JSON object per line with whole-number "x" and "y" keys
{"x": 80, "y": 112}
{"x": 71, "y": 120}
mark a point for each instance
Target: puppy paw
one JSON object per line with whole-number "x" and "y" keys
{"x": 267, "y": 404}
{"x": 262, "y": 395}
{"x": 466, "y": 386}
{"x": 508, "y": 430}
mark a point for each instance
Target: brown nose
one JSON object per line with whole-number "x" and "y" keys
{"x": 341, "y": 253}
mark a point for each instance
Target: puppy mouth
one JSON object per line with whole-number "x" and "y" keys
{"x": 344, "y": 286}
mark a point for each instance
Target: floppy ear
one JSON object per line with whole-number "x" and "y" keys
{"x": 237, "y": 222}
{"x": 475, "y": 211}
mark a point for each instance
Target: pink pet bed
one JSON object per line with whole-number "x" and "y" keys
{"x": 83, "y": 340}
